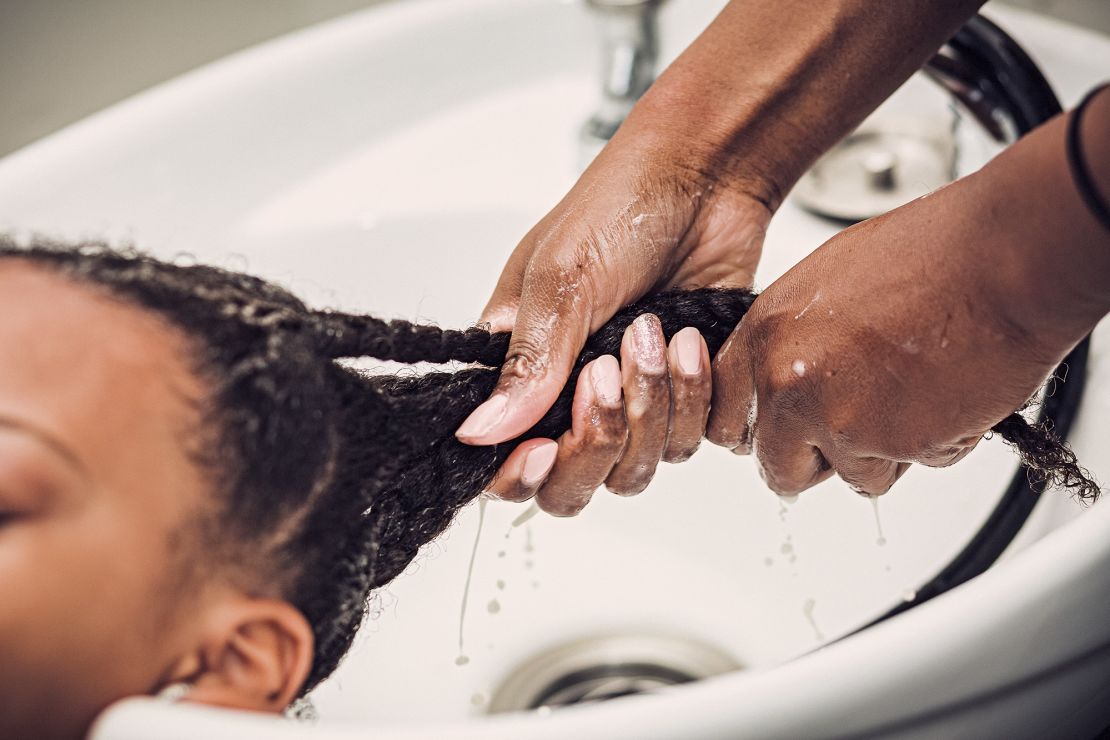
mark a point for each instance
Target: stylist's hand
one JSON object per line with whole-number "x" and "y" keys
{"x": 640, "y": 219}
{"x": 905, "y": 338}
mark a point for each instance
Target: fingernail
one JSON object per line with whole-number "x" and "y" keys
{"x": 606, "y": 376}
{"x": 538, "y": 462}
{"x": 689, "y": 351}
{"x": 484, "y": 418}
{"x": 647, "y": 343}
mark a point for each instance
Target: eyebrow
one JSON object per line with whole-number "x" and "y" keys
{"x": 46, "y": 439}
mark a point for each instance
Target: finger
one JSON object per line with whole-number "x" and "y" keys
{"x": 873, "y": 476}
{"x": 592, "y": 446}
{"x": 733, "y": 395}
{"x": 691, "y": 390}
{"x": 787, "y": 462}
{"x": 525, "y": 470}
{"x": 647, "y": 405}
{"x": 552, "y": 325}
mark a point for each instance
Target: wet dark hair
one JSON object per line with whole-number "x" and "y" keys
{"x": 330, "y": 478}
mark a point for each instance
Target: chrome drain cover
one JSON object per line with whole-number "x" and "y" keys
{"x": 878, "y": 168}
{"x": 607, "y": 667}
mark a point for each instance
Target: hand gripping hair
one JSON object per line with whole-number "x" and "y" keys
{"x": 331, "y": 478}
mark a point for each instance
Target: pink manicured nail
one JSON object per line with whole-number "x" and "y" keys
{"x": 606, "y": 376}
{"x": 484, "y": 418}
{"x": 647, "y": 343}
{"x": 689, "y": 350}
{"x": 538, "y": 462}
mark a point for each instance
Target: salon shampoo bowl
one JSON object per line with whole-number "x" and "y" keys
{"x": 388, "y": 161}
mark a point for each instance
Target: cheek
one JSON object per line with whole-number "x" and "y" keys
{"x": 79, "y": 618}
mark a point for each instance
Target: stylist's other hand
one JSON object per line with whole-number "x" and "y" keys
{"x": 640, "y": 219}
{"x": 906, "y": 338}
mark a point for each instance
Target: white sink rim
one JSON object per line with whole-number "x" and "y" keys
{"x": 990, "y": 597}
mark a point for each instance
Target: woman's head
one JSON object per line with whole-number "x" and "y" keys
{"x": 189, "y": 486}
{"x": 169, "y": 507}
{"x": 194, "y": 488}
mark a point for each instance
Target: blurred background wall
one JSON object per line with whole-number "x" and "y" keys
{"x": 61, "y": 60}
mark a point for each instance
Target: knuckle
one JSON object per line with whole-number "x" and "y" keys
{"x": 680, "y": 452}
{"x": 631, "y": 477}
{"x": 627, "y": 487}
{"x": 873, "y": 477}
{"x": 786, "y": 486}
{"x": 524, "y": 359}
{"x": 607, "y": 439}
{"x": 781, "y": 382}
{"x": 723, "y": 434}
{"x": 578, "y": 268}
{"x": 516, "y": 494}
{"x": 561, "y": 505}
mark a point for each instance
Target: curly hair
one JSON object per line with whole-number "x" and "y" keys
{"x": 334, "y": 478}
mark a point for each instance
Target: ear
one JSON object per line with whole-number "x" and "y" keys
{"x": 255, "y": 654}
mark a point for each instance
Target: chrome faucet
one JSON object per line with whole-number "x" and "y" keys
{"x": 630, "y": 51}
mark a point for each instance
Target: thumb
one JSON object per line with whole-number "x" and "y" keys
{"x": 500, "y": 311}
{"x": 552, "y": 325}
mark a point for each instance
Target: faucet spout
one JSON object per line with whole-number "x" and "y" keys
{"x": 630, "y": 51}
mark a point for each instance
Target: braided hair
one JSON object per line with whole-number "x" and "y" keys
{"x": 334, "y": 478}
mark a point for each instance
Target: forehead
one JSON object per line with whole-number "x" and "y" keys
{"x": 108, "y": 379}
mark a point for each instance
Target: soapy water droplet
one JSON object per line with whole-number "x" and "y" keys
{"x": 768, "y": 561}
{"x": 493, "y": 607}
{"x": 529, "y": 544}
{"x": 501, "y": 554}
{"x": 807, "y": 609}
{"x": 786, "y": 548}
{"x": 469, "y": 577}
{"x": 478, "y": 700}
{"x": 528, "y": 564}
{"x": 525, "y": 516}
{"x": 880, "y": 540}
{"x": 500, "y": 584}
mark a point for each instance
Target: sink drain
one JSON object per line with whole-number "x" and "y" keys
{"x": 607, "y": 667}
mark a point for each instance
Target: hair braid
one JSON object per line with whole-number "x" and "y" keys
{"x": 353, "y": 335}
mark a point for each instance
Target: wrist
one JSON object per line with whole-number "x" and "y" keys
{"x": 1047, "y": 253}
{"x": 678, "y": 124}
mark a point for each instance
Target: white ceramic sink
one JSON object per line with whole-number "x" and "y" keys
{"x": 388, "y": 162}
